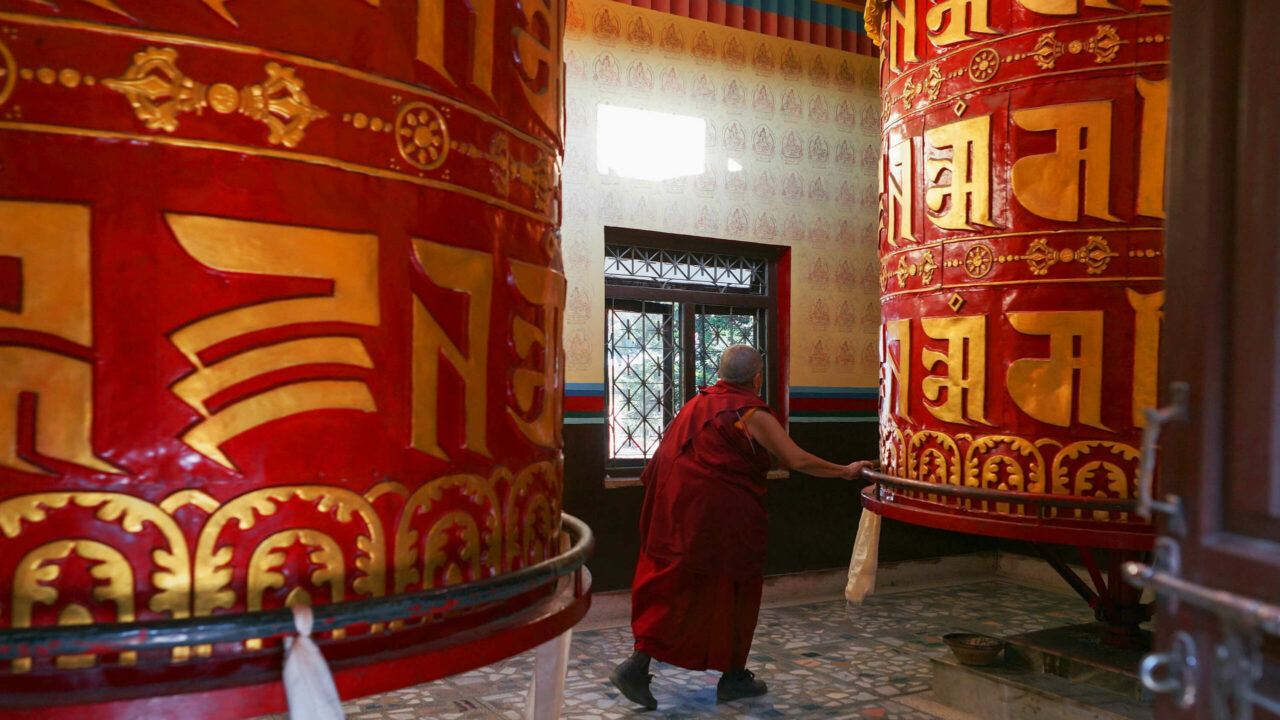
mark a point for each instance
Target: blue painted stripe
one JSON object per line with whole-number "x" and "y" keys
{"x": 583, "y": 389}
{"x": 801, "y": 391}
{"x": 769, "y": 7}
{"x": 787, "y": 8}
{"x": 598, "y": 420}
{"x": 827, "y": 14}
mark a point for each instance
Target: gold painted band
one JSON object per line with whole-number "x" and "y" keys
{"x": 291, "y": 58}
{"x": 1039, "y": 281}
{"x": 1059, "y": 232}
{"x": 277, "y": 155}
{"x": 1030, "y": 31}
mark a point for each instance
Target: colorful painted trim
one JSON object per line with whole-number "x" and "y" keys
{"x": 834, "y": 404}
{"x": 819, "y": 23}
{"x": 583, "y": 403}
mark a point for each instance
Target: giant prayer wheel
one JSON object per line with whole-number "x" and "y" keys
{"x": 1021, "y": 251}
{"x": 280, "y": 313}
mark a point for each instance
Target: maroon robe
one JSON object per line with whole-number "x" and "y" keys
{"x": 696, "y": 594}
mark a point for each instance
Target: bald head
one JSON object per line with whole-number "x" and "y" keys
{"x": 740, "y": 363}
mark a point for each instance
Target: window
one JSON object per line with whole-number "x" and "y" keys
{"x": 672, "y": 305}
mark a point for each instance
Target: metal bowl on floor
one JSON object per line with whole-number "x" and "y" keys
{"x": 974, "y": 649}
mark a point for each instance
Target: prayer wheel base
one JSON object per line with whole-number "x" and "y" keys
{"x": 200, "y": 690}
{"x": 1114, "y": 602}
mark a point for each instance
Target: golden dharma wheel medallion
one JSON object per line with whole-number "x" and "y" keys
{"x": 984, "y": 65}
{"x": 978, "y": 261}
{"x": 422, "y": 135}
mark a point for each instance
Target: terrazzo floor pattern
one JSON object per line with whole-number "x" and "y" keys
{"x": 823, "y": 660}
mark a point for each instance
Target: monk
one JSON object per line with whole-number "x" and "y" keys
{"x": 696, "y": 593}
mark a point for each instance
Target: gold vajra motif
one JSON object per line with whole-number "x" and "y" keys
{"x": 1047, "y": 50}
{"x": 933, "y": 83}
{"x": 1095, "y": 255}
{"x": 1105, "y": 45}
{"x": 539, "y": 176}
{"x": 925, "y": 269}
{"x": 159, "y": 92}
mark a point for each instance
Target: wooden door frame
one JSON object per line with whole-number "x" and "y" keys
{"x": 1216, "y": 143}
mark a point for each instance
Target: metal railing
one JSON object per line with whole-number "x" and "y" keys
{"x": 1038, "y": 500}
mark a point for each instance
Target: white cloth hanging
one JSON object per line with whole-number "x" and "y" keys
{"x": 866, "y": 551}
{"x": 308, "y": 684}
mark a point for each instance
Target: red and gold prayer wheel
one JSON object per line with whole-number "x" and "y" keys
{"x": 280, "y": 308}
{"x": 1022, "y": 186}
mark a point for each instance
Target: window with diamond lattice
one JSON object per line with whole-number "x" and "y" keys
{"x": 673, "y": 304}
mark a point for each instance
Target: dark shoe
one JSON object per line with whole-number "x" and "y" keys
{"x": 632, "y": 680}
{"x": 739, "y": 684}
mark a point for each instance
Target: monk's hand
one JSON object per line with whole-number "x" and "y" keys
{"x": 853, "y": 470}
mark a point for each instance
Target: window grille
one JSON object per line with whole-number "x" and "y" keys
{"x": 670, "y": 313}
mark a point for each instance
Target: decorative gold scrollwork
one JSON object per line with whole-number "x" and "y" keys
{"x": 1087, "y": 468}
{"x": 450, "y": 530}
{"x": 213, "y": 558}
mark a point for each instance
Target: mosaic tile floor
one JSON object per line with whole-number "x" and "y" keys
{"x": 825, "y": 660}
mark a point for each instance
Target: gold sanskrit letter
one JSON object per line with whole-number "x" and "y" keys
{"x": 1049, "y": 185}
{"x": 897, "y": 375}
{"x": 900, "y": 215}
{"x": 51, "y": 244}
{"x": 1043, "y": 387}
{"x": 1147, "y": 314}
{"x": 432, "y": 40}
{"x": 1155, "y": 119}
{"x": 545, "y": 288}
{"x": 904, "y": 20}
{"x": 952, "y": 30}
{"x": 469, "y": 272}
{"x": 350, "y": 260}
{"x": 538, "y": 52}
{"x": 963, "y": 378}
{"x": 966, "y": 201}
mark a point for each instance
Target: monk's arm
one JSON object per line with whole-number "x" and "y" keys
{"x": 765, "y": 428}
